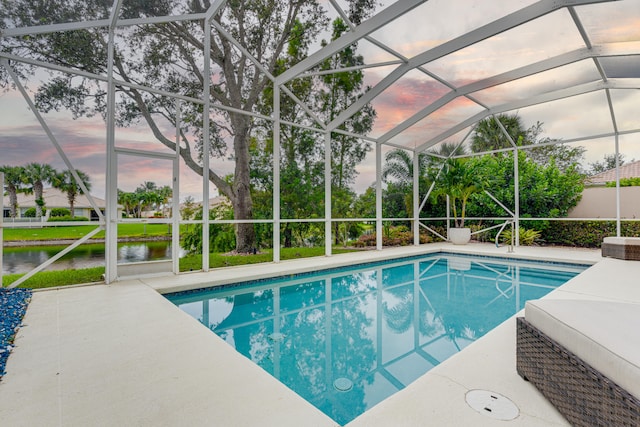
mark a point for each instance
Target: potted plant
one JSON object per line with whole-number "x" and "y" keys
{"x": 458, "y": 180}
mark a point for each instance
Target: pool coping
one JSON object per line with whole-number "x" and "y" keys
{"x": 69, "y": 387}
{"x": 389, "y": 262}
{"x": 253, "y": 272}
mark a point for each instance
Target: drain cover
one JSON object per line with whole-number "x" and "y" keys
{"x": 343, "y": 384}
{"x": 492, "y": 404}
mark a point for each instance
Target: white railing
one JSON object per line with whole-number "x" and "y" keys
{"x": 510, "y": 250}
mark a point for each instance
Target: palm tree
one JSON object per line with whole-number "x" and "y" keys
{"x": 38, "y": 174}
{"x": 489, "y": 136}
{"x": 66, "y": 183}
{"x": 165, "y": 192}
{"x": 147, "y": 186}
{"x": 399, "y": 166}
{"x": 459, "y": 180}
{"x": 13, "y": 180}
{"x": 448, "y": 149}
{"x": 129, "y": 201}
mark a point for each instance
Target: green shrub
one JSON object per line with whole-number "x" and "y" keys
{"x": 67, "y": 218}
{"x": 221, "y": 236}
{"x": 626, "y": 182}
{"x": 392, "y": 236}
{"x": 587, "y": 234}
{"x": 56, "y": 212}
{"x": 527, "y": 237}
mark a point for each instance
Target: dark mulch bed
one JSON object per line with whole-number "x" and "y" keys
{"x": 13, "y": 304}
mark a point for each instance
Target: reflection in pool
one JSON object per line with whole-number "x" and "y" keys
{"x": 348, "y": 339}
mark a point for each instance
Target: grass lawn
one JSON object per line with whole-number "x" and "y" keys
{"x": 47, "y": 279}
{"x": 50, "y": 279}
{"x": 77, "y": 231}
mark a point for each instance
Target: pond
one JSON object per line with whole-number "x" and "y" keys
{"x": 23, "y": 259}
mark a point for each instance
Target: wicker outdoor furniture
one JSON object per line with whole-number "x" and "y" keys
{"x": 584, "y": 362}
{"x": 627, "y": 248}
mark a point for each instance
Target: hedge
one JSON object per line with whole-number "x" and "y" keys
{"x": 67, "y": 218}
{"x": 586, "y": 234}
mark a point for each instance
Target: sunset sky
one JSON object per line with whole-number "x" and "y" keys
{"x": 22, "y": 139}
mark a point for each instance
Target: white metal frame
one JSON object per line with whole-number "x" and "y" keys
{"x": 363, "y": 31}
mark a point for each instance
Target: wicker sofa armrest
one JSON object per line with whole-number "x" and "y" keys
{"x": 581, "y": 394}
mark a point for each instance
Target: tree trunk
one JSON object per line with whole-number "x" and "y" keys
{"x": 37, "y": 191}
{"x": 242, "y": 202}
{"x": 71, "y": 198}
{"x": 245, "y": 233}
{"x": 13, "y": 200}
{"x": 288, "y": 236}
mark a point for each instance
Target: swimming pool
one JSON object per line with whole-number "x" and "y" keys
{"x": 346, "y": 339}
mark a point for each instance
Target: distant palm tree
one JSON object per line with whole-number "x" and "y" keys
{"x": 13, "y": 180}
{"x": 147, "y": 186}
{"x": 399, "y": 166}
{"x": 448, "y": 149}
{"x": 488, "y": 134}
{"x": 66, "y": 183}
{"x": 129, "y": 201}
{"x": 165, "y": 192}
{"x": 36, "y": 175}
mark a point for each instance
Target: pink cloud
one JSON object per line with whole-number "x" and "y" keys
{"x": 403, "y": 99}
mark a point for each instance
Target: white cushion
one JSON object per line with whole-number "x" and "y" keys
{"x": 626, "y": 241}
{"x": 604, "y": 334}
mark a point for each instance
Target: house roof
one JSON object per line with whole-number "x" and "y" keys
{"x": 629, "y": 170}
{"x": 54, "y": 198}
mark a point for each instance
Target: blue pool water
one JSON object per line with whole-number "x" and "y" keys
{"x": 346, "y": 339}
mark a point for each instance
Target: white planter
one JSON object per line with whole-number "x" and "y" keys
{"x": 459, "y": 264}
{"x": 459, "y": 236}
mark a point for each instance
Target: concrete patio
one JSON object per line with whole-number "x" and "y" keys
{"x": 122, "y": 354}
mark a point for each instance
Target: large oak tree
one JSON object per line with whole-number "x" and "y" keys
{"x": 168, "y": 56}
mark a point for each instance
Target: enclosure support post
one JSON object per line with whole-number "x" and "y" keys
{"x": 516, "y": 195}
{"x": 111, "y": 191}
{"x": 516, "y": 181}
{"x": 206, "y": 141}
{"x": 415, "y": 224}
{"x": 327, "y": 194}
{"x": 378, "y": 197}
{"x": 175, "y": 197}
{"x": 276, "y": 173}
{"x": 618, "y": 225}
{"x": 448, "y": 216}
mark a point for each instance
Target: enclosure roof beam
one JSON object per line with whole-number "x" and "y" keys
{"x": 85, "y": 25}
{"x": 540, "y": 99}
{"x": 616, "y": 49}
{"x": 553, "y": 142}
{"x": 491, "y": 29}
{"x": 214, "y": 8}
{"x": 376, "y": 22}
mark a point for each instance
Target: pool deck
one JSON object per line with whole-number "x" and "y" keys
{"x": 123, "y": 355}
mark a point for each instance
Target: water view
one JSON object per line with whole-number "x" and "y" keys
{"x": 23, "y": 259}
